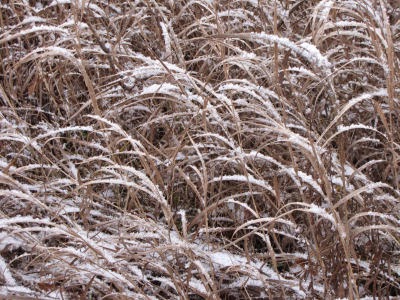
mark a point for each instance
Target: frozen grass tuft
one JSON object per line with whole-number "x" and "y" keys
{"x": 199, "y": 149}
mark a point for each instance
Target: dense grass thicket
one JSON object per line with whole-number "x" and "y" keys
{"x": 200, "y": 149}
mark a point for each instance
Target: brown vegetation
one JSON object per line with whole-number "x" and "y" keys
{"x": 199, "y": 149}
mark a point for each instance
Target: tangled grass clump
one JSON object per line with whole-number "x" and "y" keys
{"x": 200, "y": 149}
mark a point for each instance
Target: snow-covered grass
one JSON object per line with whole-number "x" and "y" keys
{"x": 199, "y": 149}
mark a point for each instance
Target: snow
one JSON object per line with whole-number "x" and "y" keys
{"x": 32, "y": 19}
{"x": 226, "y": 259}
{"x": 92, "y": 244}
{"x": 23, "y": 219}
{"x": 303, "y": 71}
{"x": 164, "y": 88}
{"x": 336, "y": 180}
{"x": 350, "y": 104}
{"x": 242, "y": 204}
{"x": 342, "y": 128}
{"x": 5, "y": 272}
{"x": 210, "y": 167}
{"x": 8, "y": 290}
{"x": 96, "y": 10}
{"x": 302, "y": 142}
{"x": 245, "y": 179}
{"x": 9, "y": 241}
{"x": 71, "y": 22}
{"x": 197, "y": 285}
{"x": 167, "y": 41}
{"x": 68, "y": 209}
{"x": 21, "y": 138}
{"x": 315, "y": 209}
{"x": 307, "y": 179}
{"x": 326, "y": 6}
{"x": 182, "y": 213}
{"x": 306, "y": 50}
{"x": 387, "y": 197}
{"x": 248, "y": 55}
{"x": 248, "y": 88}
{"x": 63, "y": 130}
{"x": 313, "y": 55}
{"x": 6, "y": 37}
{"x": 73, "y": 169}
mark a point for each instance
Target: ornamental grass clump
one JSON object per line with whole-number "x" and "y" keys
{"x": 200, "y": 149}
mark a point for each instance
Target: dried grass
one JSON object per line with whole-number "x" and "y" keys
{"x": 199, "y": 149}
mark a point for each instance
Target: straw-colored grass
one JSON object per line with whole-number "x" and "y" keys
{"x": 199, "y": 149}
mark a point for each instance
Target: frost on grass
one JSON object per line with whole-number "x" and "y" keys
{"x": 199, "y": 149}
